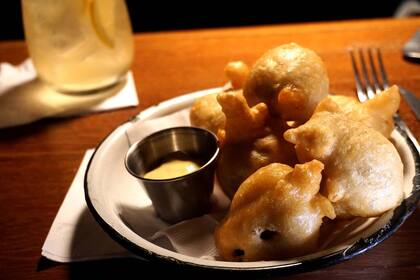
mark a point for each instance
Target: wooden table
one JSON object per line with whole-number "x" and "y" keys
{"x": 38, "y": 161}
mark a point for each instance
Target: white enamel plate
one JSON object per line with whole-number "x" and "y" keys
{"x": 111, "y": 193}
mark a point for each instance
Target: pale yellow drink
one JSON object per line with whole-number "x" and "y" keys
{"x": 78, "y": 45}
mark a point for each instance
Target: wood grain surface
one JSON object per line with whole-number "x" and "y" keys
{"x": 38, "y": 161}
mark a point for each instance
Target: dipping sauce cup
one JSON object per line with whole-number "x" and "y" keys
{"x": 186, "y": 196}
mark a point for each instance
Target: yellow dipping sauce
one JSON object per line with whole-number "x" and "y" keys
{"x": 172, "y": 169}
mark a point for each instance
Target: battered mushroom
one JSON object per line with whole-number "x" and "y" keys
{"x": 363, "y": 171}
{"x": 276, "y": 213}
{"x": 207, "y": 113}
{"x": 239, "y": 160}
{"x": 290, "y": 79}
{"x": 237, "y": 72}
{"x": 375, "y": 113}
{"x": 242, "y": 122}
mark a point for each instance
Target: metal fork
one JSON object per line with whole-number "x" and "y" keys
{"x": 367, "y": 90}
{"x": 371, "y": 88}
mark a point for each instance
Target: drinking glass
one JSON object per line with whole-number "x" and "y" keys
{"x": 78, "y": 45}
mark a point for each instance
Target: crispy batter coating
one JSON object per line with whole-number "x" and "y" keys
{"x": 290, "y": 79}
{"x": 239, "y": 160}
{"x": 237, "y": 72}
{"x": 242, "y": 122}
{"x": 375, "y": 113}
{"x": 276, "y": 213}
{"x": 207, "y": 113}
{"x": 363, "y": 171}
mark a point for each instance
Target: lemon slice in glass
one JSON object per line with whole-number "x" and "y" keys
{"x": 102, "y": 18}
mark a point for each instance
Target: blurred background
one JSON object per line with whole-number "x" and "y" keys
{"x": 147, "y": 16}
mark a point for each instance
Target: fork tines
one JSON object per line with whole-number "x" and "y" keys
{"x": 367, "y": 85}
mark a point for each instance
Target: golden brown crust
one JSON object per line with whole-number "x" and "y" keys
{"x": 237, "y": 72}
{"x": 207, "y": 113}
{"x": 277, "y": 210}
{"x": 238, "y": 161}
{"x": 375, "y": 113}
{"x": 363, "y": 171}
{"x": 290, "y": 79}
{"x": 242, "y": 122}
{"x": 276, "y": 213}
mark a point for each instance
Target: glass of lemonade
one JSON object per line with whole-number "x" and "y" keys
{"x": 78, "y": 45}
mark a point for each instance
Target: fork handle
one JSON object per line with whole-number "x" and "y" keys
{"x": 412, "y": 100}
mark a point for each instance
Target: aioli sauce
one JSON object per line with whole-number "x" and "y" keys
{"x": 172, "y": 169}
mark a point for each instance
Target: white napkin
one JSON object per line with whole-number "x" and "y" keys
{"x": 24, "y": 98}
{"x": 75, "y": 235}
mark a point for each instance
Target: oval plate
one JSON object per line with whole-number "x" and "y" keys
{"x": 106, "y": 174}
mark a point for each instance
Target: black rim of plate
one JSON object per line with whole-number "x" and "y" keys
{"x": 400, "y": 214}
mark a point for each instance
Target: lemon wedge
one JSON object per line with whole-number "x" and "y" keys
{"x": 102, "y": 18}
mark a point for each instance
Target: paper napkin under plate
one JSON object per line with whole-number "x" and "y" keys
{"x": 25, "y": 99}
{"x": 74, "y": 234}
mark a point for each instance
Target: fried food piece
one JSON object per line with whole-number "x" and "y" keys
{"x": 290, "y": 79}
{"x": 276, "y": 213}
{"x": 239, "y": 160}
{"x": 242, "y": 122}
{"x": 375, "y": 113}
{"x": 363, "y": 171}
{"x": 237, "y": 72}
{"x": 207, "y": 113}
